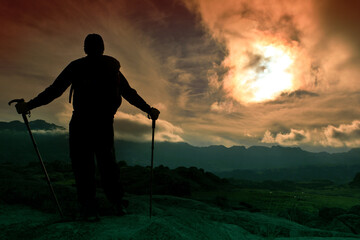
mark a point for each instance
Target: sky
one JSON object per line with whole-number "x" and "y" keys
{"x": 232, "y": 72}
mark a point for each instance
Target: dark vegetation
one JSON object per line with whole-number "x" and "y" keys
{"x": 26, "y": 184}
{"x": 319, "y": 203}
{"x": 179, "y": 182}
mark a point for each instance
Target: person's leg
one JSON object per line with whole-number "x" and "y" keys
{"x": 108, "y": 168}
{"x": 83, "y": 164}
{"x": 110, "y": 175}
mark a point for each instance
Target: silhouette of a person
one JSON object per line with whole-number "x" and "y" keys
{"x": 97, "y": 86}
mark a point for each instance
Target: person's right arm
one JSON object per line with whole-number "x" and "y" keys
{"x": 55, "y": 90}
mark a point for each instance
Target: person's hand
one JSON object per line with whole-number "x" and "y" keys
{"x": 154, "y": 113}
{"x": 22, "y": 107}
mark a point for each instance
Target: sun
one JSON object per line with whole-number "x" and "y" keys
{"x": 264, "y": 78}
{"x": 274, "y": 76}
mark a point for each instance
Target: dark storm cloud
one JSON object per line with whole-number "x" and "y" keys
{"x": 185, "y": 52}
{"x": 299, "y": 94}
{"x": 188, "y": 70}
{"x": 287, "y": 97}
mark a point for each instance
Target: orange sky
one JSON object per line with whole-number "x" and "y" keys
{"x": 221, "y": 72}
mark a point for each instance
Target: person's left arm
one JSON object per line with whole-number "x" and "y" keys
{"x": 133, "y": 98}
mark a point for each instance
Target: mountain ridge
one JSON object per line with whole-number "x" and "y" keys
{"x": 15, "y": 146}
{"x": 34, "y": 125}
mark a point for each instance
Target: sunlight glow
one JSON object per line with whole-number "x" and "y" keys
{"x": 274, "y": 78}
{"x": 261, "y": 74}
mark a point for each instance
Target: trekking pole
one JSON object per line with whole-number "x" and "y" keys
{"x": 39, "y": 156}
{"x": 152, "y": 165}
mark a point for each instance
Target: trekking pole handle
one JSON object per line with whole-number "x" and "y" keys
{"x": 38, "y": 154}
{"x": 20, "y": 101}
{"x": 16, "y": 101}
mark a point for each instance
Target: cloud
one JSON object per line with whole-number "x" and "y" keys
{"x": 345, "y": 135}
{"x": 292, "y": 96}
{"x": 243, "y": 25}
{"x": 187, "y": 57}
{"x": 299, "y": 94}
{"x": 319, "y": 38}
{"x": 220, "y": 107}
{"x": 138, "y": 128}
{"x": 294, "y": 137}
{"x": 51, "y": 132}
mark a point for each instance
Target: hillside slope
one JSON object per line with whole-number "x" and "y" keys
{"x": 174, "y": 218}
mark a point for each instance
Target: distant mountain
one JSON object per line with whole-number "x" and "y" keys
{"x": 220, "y": 158}
{"x": 16, "y": 146}
{"x": 34, "y": 125}
{"x": 237, "y": 161}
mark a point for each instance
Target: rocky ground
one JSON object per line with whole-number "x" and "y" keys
{"x": 173, "y": 218}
